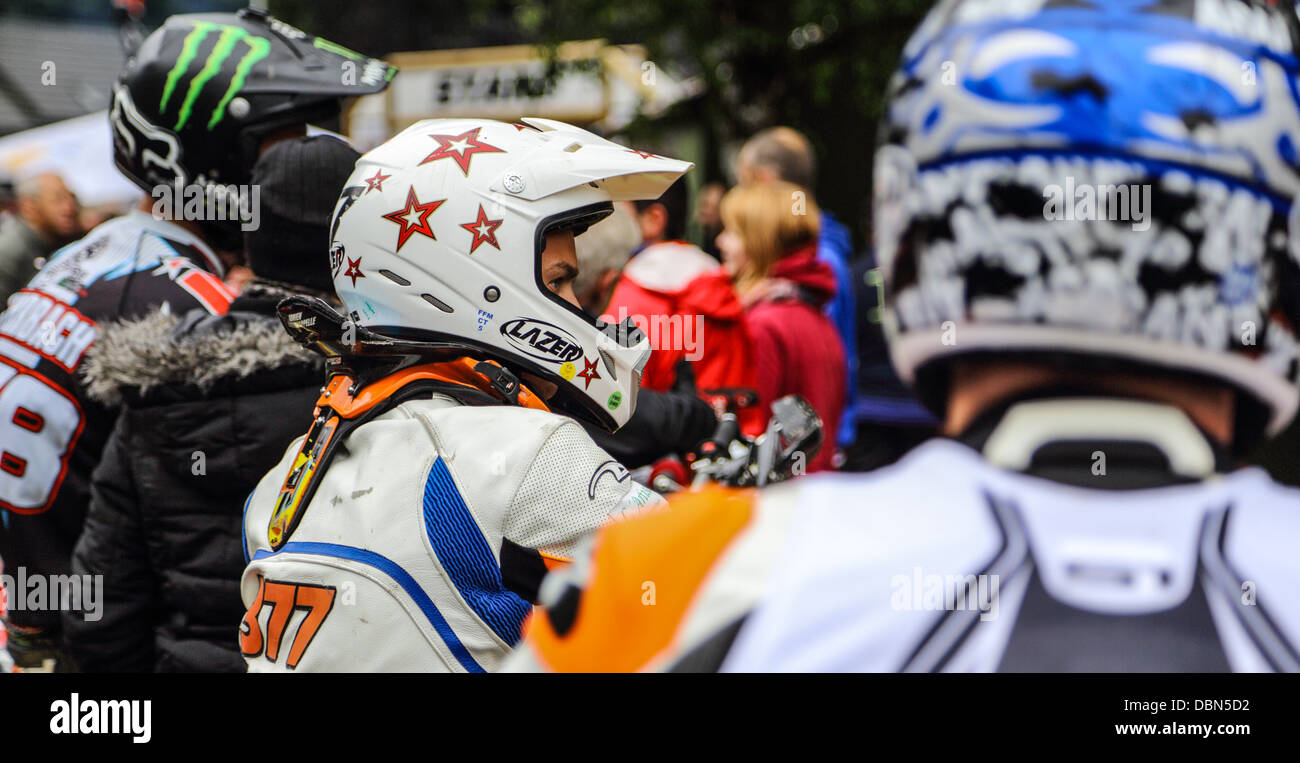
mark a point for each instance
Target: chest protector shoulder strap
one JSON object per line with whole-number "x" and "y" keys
{"x": 338, "y": 412}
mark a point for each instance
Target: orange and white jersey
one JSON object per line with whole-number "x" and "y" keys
{"x": 942, "y": 562}
{"x": 423, "y": 538}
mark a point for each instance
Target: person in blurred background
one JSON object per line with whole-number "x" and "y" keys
{"x": 707, "y": 202}
{"x": 769, "y": 246}
{"x": 782, "y": 153}
{"x": 663, "y": 423}
{"x": 888, "y": 418}
{"x": 602, "y": 252}
{"x": 46, "y": 219}
{"x": 210, "y": 402}
{"x": 684, "y": 302}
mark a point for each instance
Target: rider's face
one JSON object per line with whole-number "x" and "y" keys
{"x": 560, "y": 265}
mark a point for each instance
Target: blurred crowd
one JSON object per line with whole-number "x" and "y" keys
{"x": 784, "y": 303}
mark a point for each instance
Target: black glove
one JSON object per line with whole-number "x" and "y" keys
{"x": 663, "y": 424}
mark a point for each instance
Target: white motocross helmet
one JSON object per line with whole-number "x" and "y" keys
{"x": 438, "y": 234}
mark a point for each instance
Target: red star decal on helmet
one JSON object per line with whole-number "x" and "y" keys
{"x": 461, "y": 147}
{"x": 413, "y": 208}
{"x": 643, "y": 154}
{"x": 354, "y": 270}
{"x": 376, "y": 183}
{"x": 484, "y": 230}
{"x": 588, "y": 372}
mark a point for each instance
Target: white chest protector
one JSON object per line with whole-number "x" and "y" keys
{"x": 945, "y": 562}
{"x": 397, "y": 562}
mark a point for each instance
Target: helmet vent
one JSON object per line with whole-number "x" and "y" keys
{"x": 609, "y": 363}
{"x": 438, "y": 303}
{"x": 572, "y": 147}
{"x": 395, "y": 278}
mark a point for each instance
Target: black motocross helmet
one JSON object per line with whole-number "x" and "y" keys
{"x": 196, "y": 99}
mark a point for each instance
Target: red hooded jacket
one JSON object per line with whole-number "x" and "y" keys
{"x": 796, "y": 348}
{"x": 685, "y": 303}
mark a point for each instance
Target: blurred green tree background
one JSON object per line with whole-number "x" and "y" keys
{"x": 820, "y": 66}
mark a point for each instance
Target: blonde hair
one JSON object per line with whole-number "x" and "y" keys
{"x": 772, "y": 220}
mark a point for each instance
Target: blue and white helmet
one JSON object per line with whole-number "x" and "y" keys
{"x": 1106, "y": 178}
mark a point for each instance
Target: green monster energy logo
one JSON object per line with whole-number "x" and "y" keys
{"x": 258, "y": 48}
{"x": 334, "y": 47}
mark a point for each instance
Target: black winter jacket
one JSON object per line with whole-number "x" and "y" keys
{"x": 210, "y": 403}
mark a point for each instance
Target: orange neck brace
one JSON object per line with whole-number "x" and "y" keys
{"x": 460, "y": 372}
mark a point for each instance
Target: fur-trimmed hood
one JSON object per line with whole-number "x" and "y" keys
{"x": 190, "y": 355}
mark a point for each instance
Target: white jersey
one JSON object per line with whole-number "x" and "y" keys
{"x": 424, "y": 525}
{"x": 947, "y": 562}
{"x": 986, "y": 569}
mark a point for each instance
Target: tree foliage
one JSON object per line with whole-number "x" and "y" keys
{"x": 820, "y": 66}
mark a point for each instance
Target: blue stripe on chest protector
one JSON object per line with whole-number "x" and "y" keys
{"x": 400, "y": 576}
{"x": 243, "y": 526}
{"x": 467, "y": 558}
